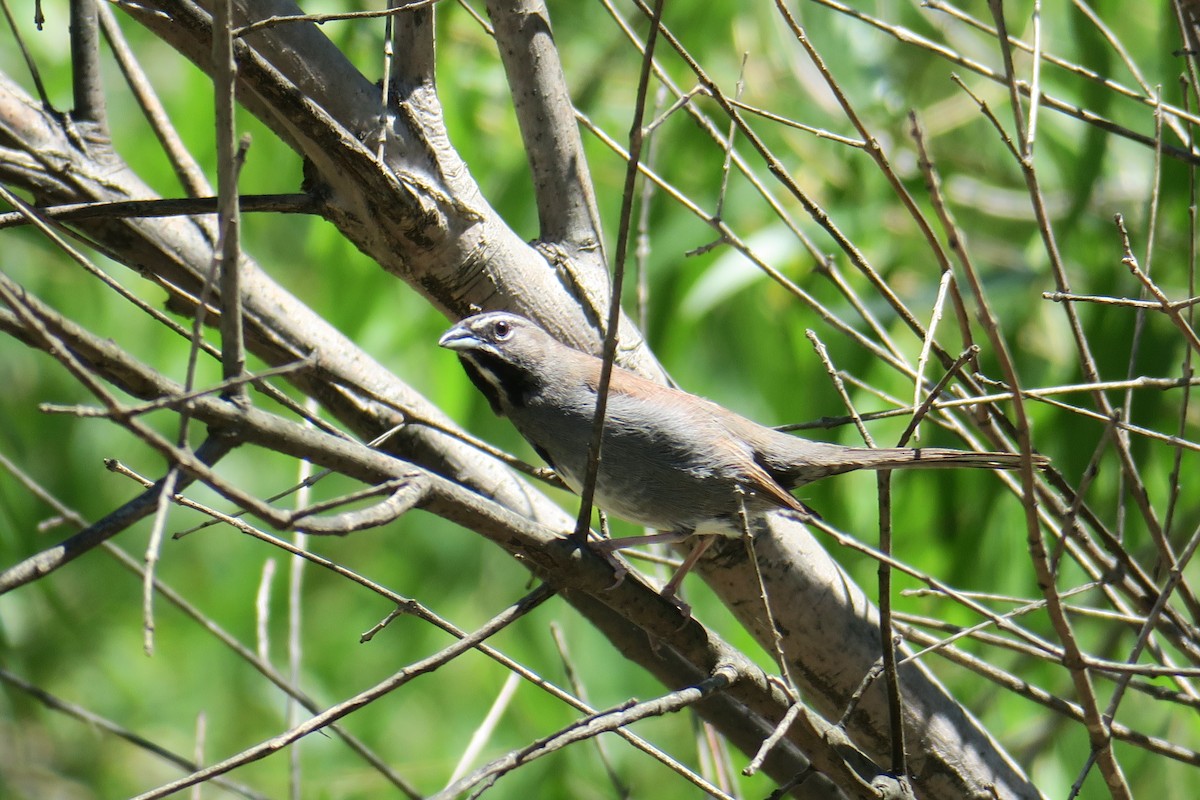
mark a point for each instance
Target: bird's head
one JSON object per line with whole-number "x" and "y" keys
{"x": 506, "y": 356}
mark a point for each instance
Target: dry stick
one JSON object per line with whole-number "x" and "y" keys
{"x": 1139, "y": 323}
{"x": 336, "y": 712}
{"x": 722, "y": 677}
{"x": 41, "y": 564}
{"x": 884, "y": 483}
{"x": 295, "y": 646}
{"x": 175, "y": 400}
{"x": 1171, "y": 310}
{"x": 95, "y": 721}
{"x": 785, "y": 724}
{"x": 823, "y": 263}
{"x": 1187, "y": 19}
{"x": 486, "y": 727}
{"x": 769, "y": 616}
{"x": 836, "y": 378}
{"x": 226, "y": 262}
{"x": 1071, "y": 518}
{"x": 1151, "y": 305}
{"x": 295, "y": 203}
{"x": 683, "y": 100}
{"x": 899, "y": 763}
{"x": 887, "y": 643}
{"x": 776, "y": 640}
{"x": 153, "y": 545}
{"x": 923, "y": 359}
{"x": 230, "y": 157}
{"x": 1145, "y": 96}
{"x": 222, "y": 636}
{"x": 408, "y": 606}
{"x": 86, "y": 84}
{"x": 1036, "y": 84}
{"x": 568, "y": 663}
{"x": 733, "y": 240}
{"x": 1083, "y": 348}
{"x": 583, "y": 524}
{"x": 385, "y": 87}
{"x": 189, "y": 173}
{"x": 262, "y": 610}
{"x": 1069, "y": 109}
{"x": 320, "y": 19}
{"x": 201, "y": 735}
{"x": 930, "y": 401}
{"x": 723, "y": 189}
{"x": 891, "y": 352}
{"x": 820, "y": 133}
{"x": 1111, "y": 543}
{"x": 641, "y": 253}
{"x": 30, "y": 63}
{"x": 32, "y": 312}
{"x": 1053, "y": 701}
{"x": 1177, "y": 468}
{"x": 1106, "y": 614}
{"x": 1027, "y": 607}
{"x": 714, "y": 755}
{"x": 1099, "y": 734}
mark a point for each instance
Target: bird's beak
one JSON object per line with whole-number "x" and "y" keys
{"x": 460, "y": 337}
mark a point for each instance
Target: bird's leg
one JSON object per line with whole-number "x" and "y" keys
{"x": 607, "y": 547}
{"x": 670, "y": 591}
{"x": 619, "y": 567}
{"x": 624, "y": 543}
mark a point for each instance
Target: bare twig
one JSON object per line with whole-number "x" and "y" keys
{"x": 587, "y": 728}
{"x": 336, "y": 712}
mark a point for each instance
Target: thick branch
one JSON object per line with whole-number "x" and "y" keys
{"x": 561, "y": 182}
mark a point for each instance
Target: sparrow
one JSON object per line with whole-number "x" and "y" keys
{"x": 669, "y": 460}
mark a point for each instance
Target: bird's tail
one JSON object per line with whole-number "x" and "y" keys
{"x": 806, "y": 461}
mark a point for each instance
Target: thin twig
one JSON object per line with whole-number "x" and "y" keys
{"x": 636, "y": 138}
{"x": 336, "y": 712}
{"x": 585, "y": 729}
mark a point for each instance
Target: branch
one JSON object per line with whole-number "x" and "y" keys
{"x": 562, "y": 185}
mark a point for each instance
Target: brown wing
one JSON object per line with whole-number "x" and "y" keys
{"x": 756, "y": 478}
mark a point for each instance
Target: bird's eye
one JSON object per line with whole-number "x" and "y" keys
{"x": 502, "y": 330}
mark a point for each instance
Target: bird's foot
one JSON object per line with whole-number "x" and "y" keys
{"x": 685, "y": 610}
{"x": 619, "y": 568}
{"x": 605, "y": 549}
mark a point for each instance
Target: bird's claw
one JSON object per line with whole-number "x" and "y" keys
{"x": 685, "y": 610}
{"x": 620, "y": 570}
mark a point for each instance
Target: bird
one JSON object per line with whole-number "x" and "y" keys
{"x": 670, "y": 461}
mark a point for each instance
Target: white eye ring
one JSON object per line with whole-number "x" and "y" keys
{"x": 502, "y": 330}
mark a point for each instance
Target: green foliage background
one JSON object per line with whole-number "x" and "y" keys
{"x": 722, "y": 329}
